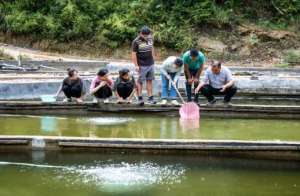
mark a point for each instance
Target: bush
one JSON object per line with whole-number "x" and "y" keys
{"x": 114, "y": 23}
{"x": 292, "y": 57}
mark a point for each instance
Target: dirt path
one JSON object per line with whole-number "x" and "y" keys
{"x": 37, "y": 55}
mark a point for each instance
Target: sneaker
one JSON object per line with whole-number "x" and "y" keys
{"x": 95, "y": 100}
{"x": 163, "y": 102}
{"x": 141, "y": 101}
{"x": 67, "y": 100}
{"x": 212, "y": 103}
{"x": 151, "y": 101}
{"x": 175, "y": 102}
{"x": 106, "y": 100}
{"x": 227, "y": 104}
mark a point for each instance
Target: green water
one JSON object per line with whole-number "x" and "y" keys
{"x": 137, "y": 126}
{"x": 120, "y": 174}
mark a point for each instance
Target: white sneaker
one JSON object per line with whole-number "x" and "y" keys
{"x": 163, "y": 102}
{"x": 106, "y": 101}
{"x": 175, "y": 102}
{"x": 95, "y": 100}
{"x": 67, "y": 100}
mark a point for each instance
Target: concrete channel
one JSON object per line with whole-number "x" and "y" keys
{"x": 277, "y": 150}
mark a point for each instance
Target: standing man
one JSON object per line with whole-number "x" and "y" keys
{"x": 193, "y": 61}
{"x": 217, "y": 81}
{"x": 143, "y": 59}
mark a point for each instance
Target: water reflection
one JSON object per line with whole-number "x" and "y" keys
{"x": 189, "y": 125}
{"x": 48, "y": 124}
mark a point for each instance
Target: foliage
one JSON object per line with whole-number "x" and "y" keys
{"x": 113, "y": 23}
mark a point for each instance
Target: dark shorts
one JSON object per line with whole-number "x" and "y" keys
{"x": 146, "y": 73}
{"x": 103, "y": 93}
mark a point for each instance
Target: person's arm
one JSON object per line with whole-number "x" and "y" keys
{"x": 230, "y": 81}
{"x": 59, "y": 90}
{"x": 199, "y": 73}
{"x": 165, "y": 73}
{"x": 134, "y": 61}
{"x": 153, "y": 52}
{"x": 83, "y": 89}
{"x": 202, "y": 61}
{"x": 132, "y": 94}
{"x": 94, "y": 89}
{"x": 134, "y": 55}
{"x": 204, "y": 82}
{"x": 187, "y": 71}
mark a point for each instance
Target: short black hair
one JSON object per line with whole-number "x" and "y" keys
{"x": 178, "y": 62}
{"x": 102, "y": 72}
{"x": 71, "y": 71}
{"x": 194, "y": 52}
{"x": 145, "y": 30}
{"x": 216, "y": 63}
{"x": 123, "y": 72}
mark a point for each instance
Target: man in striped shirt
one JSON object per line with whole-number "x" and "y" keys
{"x": 143, "y": 59}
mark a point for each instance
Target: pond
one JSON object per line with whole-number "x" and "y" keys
{"x": 83, "y": 174}
{"x": 150, "y": 126}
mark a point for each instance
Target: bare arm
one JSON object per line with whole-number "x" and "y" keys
{"x": 103, "y": 83}
{"x": 229, "y": 84}
{"x": 134, "y": 59}
{"x": 199, "y": 71}
{"x": 153, "y": 53}
{"x": 132, "y": 94}
{"x": 59, "y": 90}
{"x": 187, "y": 71}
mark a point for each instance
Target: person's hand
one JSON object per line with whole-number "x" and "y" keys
{"x": 190, "y": 80}
{"x": 175, "y": 80}
{"x": 196, "y": 80}
{"x": 223, "y": 89}
{"x": 198, "y": 89}
{"x": 103, "y": 83}
{"x": 137, "y": 68}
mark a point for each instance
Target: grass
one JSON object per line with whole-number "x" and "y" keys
{"x": 292, "y": 57}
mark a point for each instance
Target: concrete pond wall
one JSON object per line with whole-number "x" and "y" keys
{"x": 255, "y": 81}
{"x": 259, "y": 86}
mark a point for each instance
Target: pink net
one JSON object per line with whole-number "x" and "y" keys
{"x": 189, "y": 111}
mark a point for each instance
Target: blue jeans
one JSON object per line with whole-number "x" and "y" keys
{"x": 188, "y": 87}
{"x": 165, "y": 93}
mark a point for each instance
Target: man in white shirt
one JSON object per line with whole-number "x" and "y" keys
{"x": 170, "y": 71}
{"x": 217, "y": 80}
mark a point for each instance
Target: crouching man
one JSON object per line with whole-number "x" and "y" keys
{"x": 170, "y": 72}
{"x": 125, "y": 86}
{"x": 217, "y": 80}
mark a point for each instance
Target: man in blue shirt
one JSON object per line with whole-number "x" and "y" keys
{"x": 193, "y": 61}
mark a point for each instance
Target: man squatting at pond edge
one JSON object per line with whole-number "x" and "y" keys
{"x": 217, "y": 80}
{"x": 72, "y": 86}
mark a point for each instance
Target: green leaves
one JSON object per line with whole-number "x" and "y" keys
{"x": 114, "y": 23}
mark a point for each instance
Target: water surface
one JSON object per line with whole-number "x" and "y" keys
{"x": 150, "y": 126}
{"x": 102, "y": 174}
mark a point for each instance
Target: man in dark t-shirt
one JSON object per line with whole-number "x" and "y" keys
{"x": 143, "y": 59}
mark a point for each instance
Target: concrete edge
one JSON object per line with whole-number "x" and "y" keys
{"x": 150, "y": 143}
